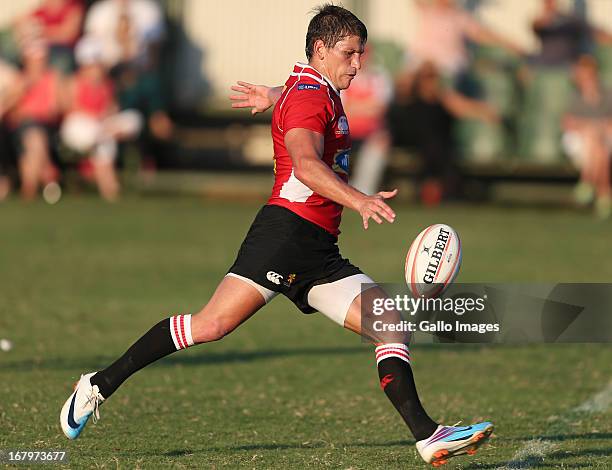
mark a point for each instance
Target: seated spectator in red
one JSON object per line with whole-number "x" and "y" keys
{"x": 423, "y": 119}
{"x": 588, "y": 136}
{"x": 33, "y": 117}
{"x": 93, "y": 124}
{"x": 59, "y": 23}
{"x": 366, "y": 103}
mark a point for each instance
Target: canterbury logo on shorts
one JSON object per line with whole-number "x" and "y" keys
{"x": 274, "y": 277}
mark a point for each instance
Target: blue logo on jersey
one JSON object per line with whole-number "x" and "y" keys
{"x": 341, "y": 162}
{"x": 308, "y": 86}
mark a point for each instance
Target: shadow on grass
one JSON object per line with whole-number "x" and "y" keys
{"x": 277, "y": 446}
{"x": 552, "y": 460}
{"x": 203, "y": 358}
{"x": 567, "y": 437}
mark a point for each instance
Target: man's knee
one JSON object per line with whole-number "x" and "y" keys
{"x": 206, "y": 328}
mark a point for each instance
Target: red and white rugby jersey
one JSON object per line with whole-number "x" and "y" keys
{"x": 309, "y": 101}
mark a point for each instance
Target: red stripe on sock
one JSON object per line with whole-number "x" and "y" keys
{"x": 183, "y": 335}
{"x": 387, "y": 353}
{"x": 176, "y": 332}
{"x": 401, "y": 351}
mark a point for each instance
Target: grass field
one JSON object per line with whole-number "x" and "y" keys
{"x": 81, "y": 280}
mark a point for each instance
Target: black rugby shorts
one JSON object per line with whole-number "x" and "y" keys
{"x": 288, "y": 254}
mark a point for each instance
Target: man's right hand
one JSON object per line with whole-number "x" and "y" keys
{"x": 374, "y": 207}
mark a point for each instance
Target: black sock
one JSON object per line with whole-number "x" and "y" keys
{"x": 397, "y": 381}
{"x": 168, "y": 336}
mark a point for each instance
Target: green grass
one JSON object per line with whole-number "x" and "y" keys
{"x": 82, "y": 280}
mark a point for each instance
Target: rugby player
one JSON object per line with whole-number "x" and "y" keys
{"x": 291, "y": 247}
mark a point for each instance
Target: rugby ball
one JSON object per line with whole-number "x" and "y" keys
{"x": 433, "y": 261}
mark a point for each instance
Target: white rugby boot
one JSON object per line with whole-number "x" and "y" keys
{"x": 81, "y": 404}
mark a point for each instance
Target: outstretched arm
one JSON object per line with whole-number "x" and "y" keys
{"x": 257, "y": 97}
{"x": 463, "y": 107}
{"x": 480, "y": 34}
{"x": 306, "y": 149}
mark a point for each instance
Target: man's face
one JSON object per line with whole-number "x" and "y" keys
{"x": 342, "y": 61}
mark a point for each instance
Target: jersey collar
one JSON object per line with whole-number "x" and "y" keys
{"x": 310, "y": 71}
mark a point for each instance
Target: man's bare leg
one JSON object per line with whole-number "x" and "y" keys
{"x": 435, "y": 443}
{"x": 393, "y": 362}
{"x": 233, "y": 302}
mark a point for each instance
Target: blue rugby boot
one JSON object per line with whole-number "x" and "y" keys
{"x": 450, "y": 441}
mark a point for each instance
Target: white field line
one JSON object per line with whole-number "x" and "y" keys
{"x": 534, "y": 451}
{"x": 598, "y": 403}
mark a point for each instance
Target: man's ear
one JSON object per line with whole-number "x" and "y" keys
{"x": 319, "y": 49}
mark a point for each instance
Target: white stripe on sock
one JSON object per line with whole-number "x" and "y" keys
{"x": 188, "y": 330}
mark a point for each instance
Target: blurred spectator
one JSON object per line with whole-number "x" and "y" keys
{"x": 142, "y": 90}
{"x": 8, "y": 77}
{"x": 366, "y": 103}
{"x": 93, "y": 123}
{"x": 443, "y": 28}
{"x": 423, "y": 118}
{"x": 33, "y": 117}
{"x": 563, "y": 36}
{"x": 130, "y": 30}
{"x": 588, "y": 136}
{"x": 58, "y": 22}
{"x": 10, "y": 92}
{"x": 10, "y": 87}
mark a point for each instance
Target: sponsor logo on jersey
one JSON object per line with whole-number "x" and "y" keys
{"x": 308, "y": 86}
{"x": 343, "y": 127}
{"x": 274, "y": 278}
{"x": 341, "y": 162}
